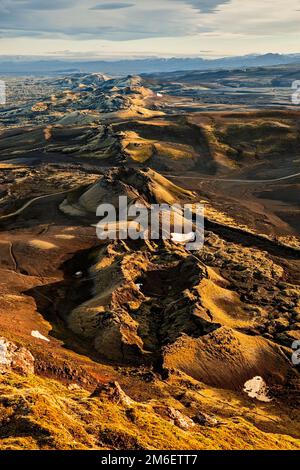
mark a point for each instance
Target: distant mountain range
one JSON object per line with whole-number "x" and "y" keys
{"x": 26, "y": 65}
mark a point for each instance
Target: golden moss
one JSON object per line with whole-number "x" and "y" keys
{"x": 37, "y": 413}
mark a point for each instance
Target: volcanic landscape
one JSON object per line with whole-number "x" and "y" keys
{"x": 144, "y": 344}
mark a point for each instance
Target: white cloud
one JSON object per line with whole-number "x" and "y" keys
{"x": 156, "y": 27}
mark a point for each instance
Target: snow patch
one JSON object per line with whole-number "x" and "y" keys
{"x": 257, "y": 388}
{"x": 37, "y": 334}
{"x": 183, "y": 237}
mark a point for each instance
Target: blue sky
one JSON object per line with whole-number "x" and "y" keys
{"x": 139, "y": 28}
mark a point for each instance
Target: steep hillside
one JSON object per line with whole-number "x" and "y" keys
{"x": 142, "y": 344}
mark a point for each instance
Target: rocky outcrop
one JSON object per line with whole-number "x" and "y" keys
{"x": 203, "y": 419}
{"x": 113, "y": 392}
{"x": 175, "y": 416}
{"x": 15, "y": 358}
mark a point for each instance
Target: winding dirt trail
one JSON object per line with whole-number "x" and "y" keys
{"x": 29, "y": 203}
{"x": 273, "y": 180}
